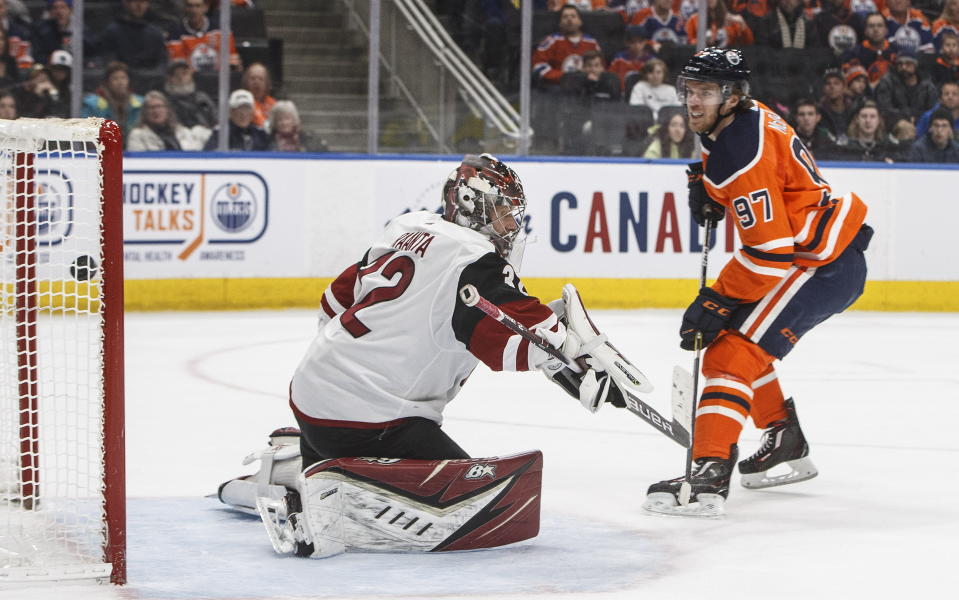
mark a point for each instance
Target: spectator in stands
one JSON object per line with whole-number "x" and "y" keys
{"x": 562, "y": 52}
{"x": 814, "y": 136}
{"x": 672, "y": 139}
{"x": 256, "y": 79}
{"x": 875, "y": 53}
{"x": 18, "y": 35}
{"x": 196, "y": 41}
{"x": 244, "y": 134}
{"x": 835, "y": 107}
{"x": 8, "y": 105}
{"x": 585, "y": 92}
{"x": 286, "y": 131}
{"x": 947, "y": 23}
{"x": 857, "y": 85}
{"x": 158, "y": 129}
{"x": 946, "y": 67}
{"x": 631, "y": 60}
{"x": 838, "y": 27}
{"x": 37, "y": 97}
{"x": 60, "y": 67}
{"x": 903, "y": 133}
{"x": 9, "y": 71}
{"x": 652, "y": 90}
{"x": 54, "y": 32}
{"x": 723, "y": 29}
{"x": 113, "y": 99}
{"x": 192, "y": 106}
{"x": 938, "y": 145}
{"x": 752, "y": 11}
{"x": 659, "y": 23}
{"x": 494, "y": 31}
{"x": 907, "y": 26}
{"x": 902, "y": 94}
{"x": 948, "y": 103}
{"x": 866, "y": 138}
{"x": 786, "y": 26}
{"x": 134, "y": 41}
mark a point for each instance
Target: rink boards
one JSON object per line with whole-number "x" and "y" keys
{"x": 219, "y": 231}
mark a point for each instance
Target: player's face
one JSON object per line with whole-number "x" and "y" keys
{"x": 941, "y": 132}
{"x": 702, "y": 104}
{"x": 504, "y": 219}
{"x": 806, "y": 119}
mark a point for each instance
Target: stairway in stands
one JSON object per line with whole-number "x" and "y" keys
{"x": 325, "y": 68}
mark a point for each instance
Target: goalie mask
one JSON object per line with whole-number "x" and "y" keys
{"x": 485, "y": 195}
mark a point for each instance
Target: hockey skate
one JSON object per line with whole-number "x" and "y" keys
{"x": 709, "y": 487}
{"x": 783, "y": 443}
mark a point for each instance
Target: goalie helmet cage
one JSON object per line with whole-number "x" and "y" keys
{"x": 62, "y": 485}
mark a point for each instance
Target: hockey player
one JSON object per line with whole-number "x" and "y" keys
{"x": 395, "y": 346}
{"x": 801, "y": 262}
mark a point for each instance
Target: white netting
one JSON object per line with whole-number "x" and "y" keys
{"x": 51, "y": 341}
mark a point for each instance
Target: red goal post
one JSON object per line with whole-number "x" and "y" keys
{"x": 62, "y": 481}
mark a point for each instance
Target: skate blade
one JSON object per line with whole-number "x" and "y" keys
{"x": 801, "y": 469}
{"x": 706, "y": 506}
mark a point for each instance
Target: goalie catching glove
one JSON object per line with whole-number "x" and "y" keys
{"x": 604, "y": 371}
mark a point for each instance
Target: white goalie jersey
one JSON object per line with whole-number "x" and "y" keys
{"x": 396, "y": 342}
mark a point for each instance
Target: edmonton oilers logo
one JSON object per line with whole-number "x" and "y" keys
{"x": 234, "y": 207}
{"x": 54, "y": 211}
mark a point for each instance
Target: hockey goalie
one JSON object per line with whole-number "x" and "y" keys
{"x": 395, "y": 346}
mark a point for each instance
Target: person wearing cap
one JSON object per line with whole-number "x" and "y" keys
{"x": 192, "y": 106}
{"x": 834, "y": 104}
{"x": 244, "y": 134}
{"x": 902, "y": 93}
{"x": 59, "y": 66}
{"x": 113, "y": 99}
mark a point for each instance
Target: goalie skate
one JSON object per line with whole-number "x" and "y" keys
{"x": 708, "y": 488}
{"x": 783, "y": 455}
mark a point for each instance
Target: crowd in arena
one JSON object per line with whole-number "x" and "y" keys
{"x": 146, "y": 62}
{"x": 887, "y": 89}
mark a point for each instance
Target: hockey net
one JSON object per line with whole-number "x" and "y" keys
{"x": 62, "y": 497}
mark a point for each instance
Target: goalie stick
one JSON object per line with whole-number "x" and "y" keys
{"x": 674, "y": 429}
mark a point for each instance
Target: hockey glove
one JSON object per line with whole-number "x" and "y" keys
{"x": 701, "y": 205}
{"x": 708, "y": 313}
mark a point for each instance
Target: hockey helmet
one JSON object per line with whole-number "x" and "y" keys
{"x": 723, "y": 66}
{"x": 485, "y": 195}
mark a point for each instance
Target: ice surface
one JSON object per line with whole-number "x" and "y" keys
{"x": 878, "y": 395}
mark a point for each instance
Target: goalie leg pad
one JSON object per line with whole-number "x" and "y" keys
{"x": 402, "y": 505}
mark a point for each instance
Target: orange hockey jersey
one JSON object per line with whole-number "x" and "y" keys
{"x": 783, "y": 208}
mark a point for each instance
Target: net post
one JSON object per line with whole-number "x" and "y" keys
{"x": 25, "y": 293}
{"x": 111, "y": 290}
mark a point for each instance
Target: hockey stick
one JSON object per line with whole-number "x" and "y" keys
{"x": 686, "y": 488}
{"x": 673, "y": 429}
